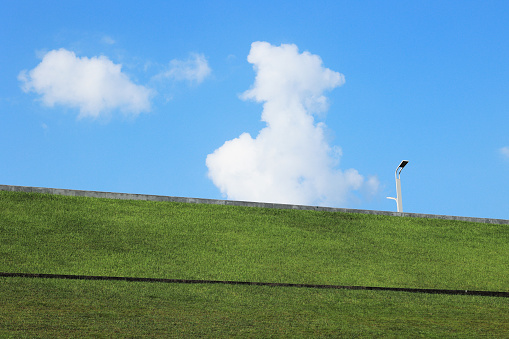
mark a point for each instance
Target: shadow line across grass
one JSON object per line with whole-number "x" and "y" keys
{"x": 225, "y": 282}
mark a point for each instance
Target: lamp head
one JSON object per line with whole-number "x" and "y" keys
{"x": 403, "y": 164}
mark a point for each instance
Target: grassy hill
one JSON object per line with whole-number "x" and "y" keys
{"x": 76, "y": 235}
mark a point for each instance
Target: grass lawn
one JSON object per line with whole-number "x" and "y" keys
{"x": 89, "y": 236}
{"x": 62, "y": 308}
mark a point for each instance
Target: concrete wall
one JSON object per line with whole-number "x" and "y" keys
{"x": 128, "y": 196}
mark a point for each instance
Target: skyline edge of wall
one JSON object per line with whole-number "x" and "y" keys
{"x": 149, "y": 197}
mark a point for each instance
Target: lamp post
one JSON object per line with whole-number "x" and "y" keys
{"x": 398, "y": 199}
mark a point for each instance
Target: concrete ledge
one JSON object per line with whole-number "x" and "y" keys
{"x": 129, "y": 196}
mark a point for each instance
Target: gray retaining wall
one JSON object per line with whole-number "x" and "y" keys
{"x": 129, "y": 196}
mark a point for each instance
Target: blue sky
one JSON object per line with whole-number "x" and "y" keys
{"x": 312, "y": 102}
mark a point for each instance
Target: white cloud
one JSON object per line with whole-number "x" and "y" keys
{"x": 94, "y": 85}
{"x": 505, "y": 152}
{"x": 195, "y": 69}
{"x": 289, "y": 161}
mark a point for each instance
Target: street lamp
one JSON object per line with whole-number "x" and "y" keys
{"x": 398, "y": 199}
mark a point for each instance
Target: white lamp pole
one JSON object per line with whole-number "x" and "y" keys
{"x": 398, "y": 198}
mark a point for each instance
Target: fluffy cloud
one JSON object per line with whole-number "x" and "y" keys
{"x": 289, "y": 161}
{"x": 94, "y": 85}
{"x": 195, "y": 69}
{"x": 505, "y": 152}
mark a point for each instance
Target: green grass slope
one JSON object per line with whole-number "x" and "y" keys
{"x": 89, "y": 236}
{"x": 41, "y": 308}
{"x": 76, "y": 235}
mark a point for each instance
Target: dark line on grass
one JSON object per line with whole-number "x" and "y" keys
{"x": 225, "y": 282}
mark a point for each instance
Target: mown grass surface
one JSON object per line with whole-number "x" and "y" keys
{"x": 59, "y": 308}
{"x": 76, "y": 235}
{"x": 89, "y": 236}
